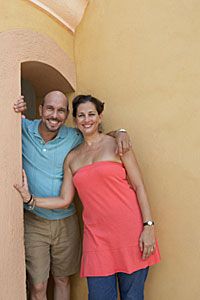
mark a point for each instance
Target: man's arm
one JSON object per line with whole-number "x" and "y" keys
{"x": 122, "y": 139}
{"x": 20, "y": 105}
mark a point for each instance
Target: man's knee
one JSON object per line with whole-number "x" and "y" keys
{"x": 39, "y": 288}
{"x": 61, "y": 281}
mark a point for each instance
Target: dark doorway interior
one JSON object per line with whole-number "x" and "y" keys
{"x": 37, "y": 79}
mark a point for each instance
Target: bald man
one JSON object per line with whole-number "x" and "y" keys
{"x": 52, "y": 238}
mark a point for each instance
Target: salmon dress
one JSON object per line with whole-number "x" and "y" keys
{"x": 112, "y": 221}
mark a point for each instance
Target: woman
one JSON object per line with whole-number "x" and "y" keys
{"x": 119, "y": 242}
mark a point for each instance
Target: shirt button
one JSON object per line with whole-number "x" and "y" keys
{"x": 44, "y": 150}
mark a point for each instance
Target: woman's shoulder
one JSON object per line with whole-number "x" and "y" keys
{"x": 72, "y": 154}
{"x": 109, "y": 143}
{"x": 109, "y": 139}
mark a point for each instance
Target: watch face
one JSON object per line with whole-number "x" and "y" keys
{"x": 150, "y": 223}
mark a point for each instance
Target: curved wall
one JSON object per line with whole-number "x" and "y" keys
{"x": 17, "y": 47}
{"x": 21, "y": 14}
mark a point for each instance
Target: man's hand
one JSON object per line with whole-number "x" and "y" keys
{"x": 20, "y": 105}
{"x": 123, "y": 142}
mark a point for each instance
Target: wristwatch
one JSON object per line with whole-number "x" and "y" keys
{"x": 148, "y": 223}
{"x": 121, "y": 130}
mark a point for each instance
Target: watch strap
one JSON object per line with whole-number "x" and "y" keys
{"x": 148, "y": 223}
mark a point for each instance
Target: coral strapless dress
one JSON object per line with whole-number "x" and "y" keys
{"x": 112, "y": 221}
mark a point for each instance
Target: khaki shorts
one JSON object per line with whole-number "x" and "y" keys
{"x": 54, "y": 245}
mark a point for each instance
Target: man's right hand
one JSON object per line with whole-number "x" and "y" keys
{"x": 20, "y": 105}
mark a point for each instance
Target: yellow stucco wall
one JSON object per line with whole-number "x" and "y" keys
{"x": 22, "y": 14}
{"x": 142, "y": 59}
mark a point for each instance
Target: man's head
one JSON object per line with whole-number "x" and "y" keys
{"x": 53, "y": 111}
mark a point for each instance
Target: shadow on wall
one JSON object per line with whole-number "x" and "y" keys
{"x": 37, "y": 79}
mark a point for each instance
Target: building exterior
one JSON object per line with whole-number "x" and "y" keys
{"x": 142, "y": 59}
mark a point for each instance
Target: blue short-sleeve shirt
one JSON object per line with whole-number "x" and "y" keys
{"x": 43, "y": 164}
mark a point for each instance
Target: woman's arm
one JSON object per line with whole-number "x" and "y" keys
{"x": 147, "y": 238}
{"x": 62, "y": 201}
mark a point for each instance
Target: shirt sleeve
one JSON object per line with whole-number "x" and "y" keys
{"x": 76, "y": 136}
{"x": 25, "y": 123}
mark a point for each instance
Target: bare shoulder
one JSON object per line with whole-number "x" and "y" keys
{"x": 109, "y": 139}
{"x": 71, "y": 155}
{"x": 110, "y": 146}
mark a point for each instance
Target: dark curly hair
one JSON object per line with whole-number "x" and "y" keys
{"x": 87, "y": 98}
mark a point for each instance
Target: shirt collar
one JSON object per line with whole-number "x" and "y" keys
{"x": 33, "y": 127}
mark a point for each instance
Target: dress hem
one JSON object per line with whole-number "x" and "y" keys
{"x": 108, "y": 273}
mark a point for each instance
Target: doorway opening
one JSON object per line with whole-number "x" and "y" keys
{"x": 37, "y": 79}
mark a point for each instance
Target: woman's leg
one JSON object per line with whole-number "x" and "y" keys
{"x": 102, "y": 287}
{"x": 131, "y": 286}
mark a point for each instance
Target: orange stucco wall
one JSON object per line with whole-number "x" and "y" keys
{"x": 12, "y": 268}
{"x": 27, "y": 34}
{"x": 16, "y": 47}
{"x": 21, "y": 14}
{"x": 142, "y": 59}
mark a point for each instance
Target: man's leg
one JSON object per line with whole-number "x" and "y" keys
{"x": 131, "y": 286}
{"x": 102, "y": 287}
{"x": 37, "y": 245}
{"x": 38, "y": 291}
{"x": 65, "y": 254}
{"x": 61, "y": 288}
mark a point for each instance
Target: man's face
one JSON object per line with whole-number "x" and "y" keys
{"x": 54, "y": 112}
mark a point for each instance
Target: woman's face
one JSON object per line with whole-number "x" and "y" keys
{"x": 87, "y": 118}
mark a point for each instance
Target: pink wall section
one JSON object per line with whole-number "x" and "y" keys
{"x": 16, "y": 47}
{"x": 11, "y": 227}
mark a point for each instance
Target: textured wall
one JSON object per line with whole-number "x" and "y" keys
{"x": 68, "y": 12}
{"x": 16, "y": 47}
{"x": 142, "y": 59}
{"x": 26, "y": 34}
{"x": 22, "y": 14}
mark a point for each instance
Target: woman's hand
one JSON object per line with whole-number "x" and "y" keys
{"x": 147, "y": 241}
{"x": 23, "y": 189}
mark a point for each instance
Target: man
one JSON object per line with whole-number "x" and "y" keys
{"x": 52, "y": 238}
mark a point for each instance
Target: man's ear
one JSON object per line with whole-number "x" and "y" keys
{"x": 40, "y": 110}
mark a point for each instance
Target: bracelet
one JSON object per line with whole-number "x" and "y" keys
{"x": 32, "y": 206}
{"x": 29, "y": 200}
